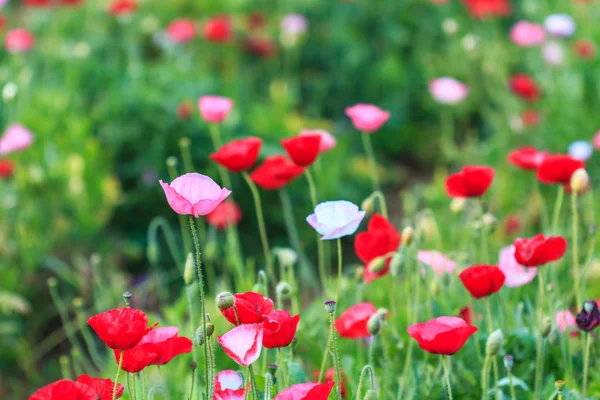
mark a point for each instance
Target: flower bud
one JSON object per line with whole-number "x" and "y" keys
{"x": 272, "y": 368}
{"x": 377, "y": 264}
{"x": 494, "y": 343}
{"x": 559, "y": 386}
{"x": 188, "y": 271}
{"x": 199, "y": 336}
{"x": 210, "y": 329}
{"x": 374, "y": 324}
{"x": 286, "y": 256}
{"x": 408, "y": 234}
{"x": 258, "y": 288}
{"x": 359, "y": 273}
{"x": 397, "y": 263}
{"x": 127, "y": 298}
{"x": 368, "y": 204}
{"x": 509, "y": 362}
{"x": 225, "y": 301}
{"x": 545, "y": 327}
{"x": 78, "y": 302}
{"x": 284, "y": 290}
{"x": 579, "y": 180}
{"x": 172, "y": 162}
{"x": 457, "y": 205}
{"x": 383, "y": 313}
{"x": 330, "y": 306}
{"x": 52, "y": 282}
{"x": 184, "y": 141}
{"x": 152, "y": 253}
{"x": 371, "y": 395}
{"x": 193, "y": 365}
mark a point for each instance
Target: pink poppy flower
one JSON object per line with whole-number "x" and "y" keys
{"x": 214, "y": 109}
{"x": 15, "y": 138}
{"x": 596, "y": 141}
{"x": 230, "y": 394}
{"x": 328, "y": 141}
{"x": 181, "y": 30}
{"x": 448, "y": 90}
{"x": 527, "y": 34}
{"x": 18, "y": 40}
{"x": 306, "y": 391}
{"x": 516, "y": 274}
{"x": 437, "y": 261}
{"x": 243, "y": 343}
{"x": 565, "y": 320}
{"x": 228, "y": 386}
{"x": 367, "y": 117}
{"x": 194, "y": 194}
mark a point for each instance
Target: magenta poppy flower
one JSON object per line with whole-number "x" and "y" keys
{"x": 15, "y": 138}
{"x": 328, "y": 141}
{"x": 18, "y": 40}
{"x": 194, "y": 194}
{"x": 334, "y": 219}
{"x": 181, "y": 30}
{"x": 214, "y": 109}
{"x": 306, "y": 391}
{"x": 438, "y": 262}
{"x": 448, "y": 90}
{"x": 230, "y": 394}
{"x": 516, "y": 274}
{"x": 527, "y": 34}
{"x": 367, "y": 117}
{"x": 243, "y": 343}
{"x": 565, "y": 320}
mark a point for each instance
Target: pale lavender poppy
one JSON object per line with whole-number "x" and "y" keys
{"x": 516, "y": 274}
{"x": 334, "y": 219}
{"x": 437, "y": 261}
{"x": 194, "y": 194}
{"x": 294, "y": 24}
{"x": 15, "y": 138}
{"x": 581, "y": 150}
{"x": 560, "y": 25}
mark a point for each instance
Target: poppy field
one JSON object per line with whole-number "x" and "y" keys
{"x": 299, "y": 200}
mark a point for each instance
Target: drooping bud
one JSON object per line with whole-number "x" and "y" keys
{"x": 545, "y": 327}
{"x": 377, "y": 264}
{"x": 330, "y": 306}
{"x": 374, "y": 324}
{"x": 284, "y": 290}
{"x": 199, "y": 336}
{"x": 368, "y": 204}
{"x": 397, "y": 263}
{"x": 494, "y": 343}
{"x": 225, "y": 301}
{"x": 579, "y": 180}
{"x": 509, "y": 362}
{"x": 457, "y": 205}
{"x": 193, "y": 365}
{"x": 127, "y": 298}
{"x": 408, "y": 234}
{"x": 258, "y": 288}
{"x": 189, "y": 270}
{"x": 371, "y": 395}
{"x": 383, "y": 313}
{"x": 559, "y": 386}
{"x": 210, "y": 329}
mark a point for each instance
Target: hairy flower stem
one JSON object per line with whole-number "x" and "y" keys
{"x": 143, "y": 379}
{"x": 192, "y": 387}
{"x": 336, "y": 357}
{"x": 512, "y": 386}
{"x": 485, "y": 378}
{"x": 366, "y": 139}
{"x": 339, "y": 277}
{"x": 252, "y": 383}
{"x": 372, "y": 351}
{"x": 324, "y": 360}
{"x": 283, "y": 364}
{"x": 268, "y": 386}
{"x": 114, "y": 395}
{"x": 557, "y": 207}
{"x": 575, "y": 252}
{"x": 382, "y": 203}
{"x": 189, "y": 291}
{"x": 320, "y": 245}
{"x": 188, "y": 165}
{"x": 539, "y": 357}
{"x": 133, "y": 385}
{"x": 490, "y": 327}
{"x": 202, "y": 303}
{"x": 586, "y": 364}
{"x": 447, "y": 374}
{"x": 261, "y": 225}
{"x": 366, "y": 369}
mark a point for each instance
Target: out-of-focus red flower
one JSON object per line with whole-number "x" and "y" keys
{"x": 525, "y": 87}
{"x": 528, "y": 158}
{"x": 539, "y": 250}
{"x": 103, "y": 387}
{"x": 352, "y": 323}
{"x": 557, "y": 169}
{"x": 137, "y": 358}
{"x": 482, "y": 280}
{"x": 65, "y": 390}
{"x": 226, "y": 214}
{"x": 167, "y": 344}
{"x": 181, "y": 30}
{"x": 2, "y": 22}
{"x": 380, "y": 239}
{"x": 487, "y": 8}
{"x": 256, "y": 20}
{"x": 512, "y": 224}
{"x": 280, "y": 329}
{"x": 275, "y": 172}
{"x": 238, "y": 155}
{"x": 330, "y": 377}
{"x": 185, "y": 110}
{"x": 47, "y": 3}
{"x": 218, "y": 29}
{"x": 121, "y": 328}
{"x": 306, "y": 391}
{"x": 7, "y": 168}
{"x": 303, "y": 149}
{"x": 585, "y": 49}
{"x": 442, "y": 335}
{"x": 471, "y": 181}
{"x": 262, "y": 46}
{"x": 251, "y": 308}
{"x": 18, "y": 40}
{"x": 243, "y": 343}
{"x": 122, "y": 8}
{"x": 466, "y": 313}
{"x": 530, "y": 118}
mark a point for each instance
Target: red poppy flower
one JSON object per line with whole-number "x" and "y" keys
{"x": 275, "y": 172}
{"x": 120, "y": 8}
{"x": 263, "y": 47}
{"x": 352, "y": 323}
{"x": 558, "y": 168}
{"x": 251, "y": 308}
{"x": 103, "y": 387}
{"x": 306, "y": 391}
{"x": 167, "y": 344}
{"x": 256, "y": 20}
{"x": 243, "y": 343}
{"x": 380, "y": 239}
{"x": 470, "y": 182}
{"x": 303, "y": 150}
{"x": 185, "y": 110}
{"x": 482, "y": 280}
{"x": 137, "y": 358}
{"x": 218, "y": 29}
{"x": 330, "y": 377}
{"x": 7, "y": 168}
{"x": 121, "y": 328}
{"x": 65, "y": 390}
{"x": 280, "y": 329}
{"x": 226, "y": 214}
{"x": 230, "y": 394}
{"x": 539, "y": 250}
{"x": 442, "y": 335}
{"x": 585, "y": 49}
{"x": 487, "y": 8}
{"x": 530, "y": 118}
{"x": 527, "y": 158}
{"x": 512, "y": 224}
{"x": 45, "y": 3}
{"x": 238, "y": 155}
{"x": 525, "y": 87}
{"x": 466, "y": 313}
{"x": 181, "y": 30}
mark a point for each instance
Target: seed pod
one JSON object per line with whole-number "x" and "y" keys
{"x": 330, "y": 306}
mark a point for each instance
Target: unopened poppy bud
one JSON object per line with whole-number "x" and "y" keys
{"x": 368, "y": 204}
{"x": 52, "y": 282}
{"x": 171, "y": 162}
{"x": 371, "y": 395}
{"x": 286, "y": 256}
{"x": 383, "y": 313}
{"x": 457, "y": 205}
{"x": 284, "y": 290}
{"x": 579, "y": 180}
{"x": 435, "y": 288}
{"x": 559, "y": 386}
{"x": 359, "y": 273}
{"x": 211, "y": 250}
{"x": 127, "y": 298}
{"x": 184, "y": 142}
{"x": 210, "y": 329}
{"x": 494, "y": 343}
{"x": 374, "y": 324}
{"x": 199, "y": 336}
{"x": 377, "y": 264}
{"x": 396, "y": 263}
{"x": 258, "y": 288}
{"x": 545, "y": 327}
{"x": 152, "y": 253}
{"x": 509, "y": 362}
{"x": 225, "y": 301}
{"x": 272, "y": 368}
{"x": 189, "y": 270}
{"x": 63, "y": 361}
{"x": 193, "y": 365}
{"x": 408, "y": 234}
{"x": 330, "y": 306}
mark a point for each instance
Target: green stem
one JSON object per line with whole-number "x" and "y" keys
{"x": 366, "y": 139}
{"x": 213, "y": 372}
{"x": 189, "y": 292}
{"x": 162, "y": 223}
{"x": 253, "y": 383}
{"x": 268, "y": 386}
{"x": 366, "y": 369}
{"x": 490, "y": 327}
{"x": 284, "y": 373}
{"x": 512, "y": 387}
{"x": 324, "y": 360}
{"x": 143, "y": 377}
{"x": 134, "y": 385}
{"x": 539, "y": 358}
{"x": 114, "y": 395}
{"x": 202, "y": 300}
{"x": 261, "y": 224}
{"x": 586, "y": 364}
{"x": 336, "y": 359}
{"x": 575, "y": 252}
{"x": 382, "y": 203}
{"x": 372, "y": 351}
{"x": 339, "y": 278}
{"x": 557, "y": 207}
{"x": 320, "y": 250}
{"x": 485, "y": 376}
{"x": 447, "y": 374}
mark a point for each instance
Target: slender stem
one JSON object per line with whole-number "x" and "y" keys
{"x": 202, "y": 301}
{"x": 575, "y": 252}
{"x": 447, "y": 374}
{"x": 284, "y": 373}
{"x": 133, "y": 384}
{"x": 114, "y": 395}
{"x": 324, "y": 360}
{"x": 372, "y": 351}
{"x": 557, "y": 207}
{"x": 192, "y": 388}
{"x": 339, "y": 278}
{"x": 336, "y": 358}
{"x": 586, "y": 364}
{"x": 539, "y": 358}
{"x": 320, "y": 249}
{"x": 490, "y": 327}
{"x": 189, "y": 291}
{"x": 253, "y": 383}
{"x": 261, "y": 224}
{"x": 512, "y": 386}
{"x": 211, "y": 357}
{"x": 485, "y": 377}
{"x": 366, "y": 369}
{"x": 143, "y": 377}
{"x": 366, "y": 139}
